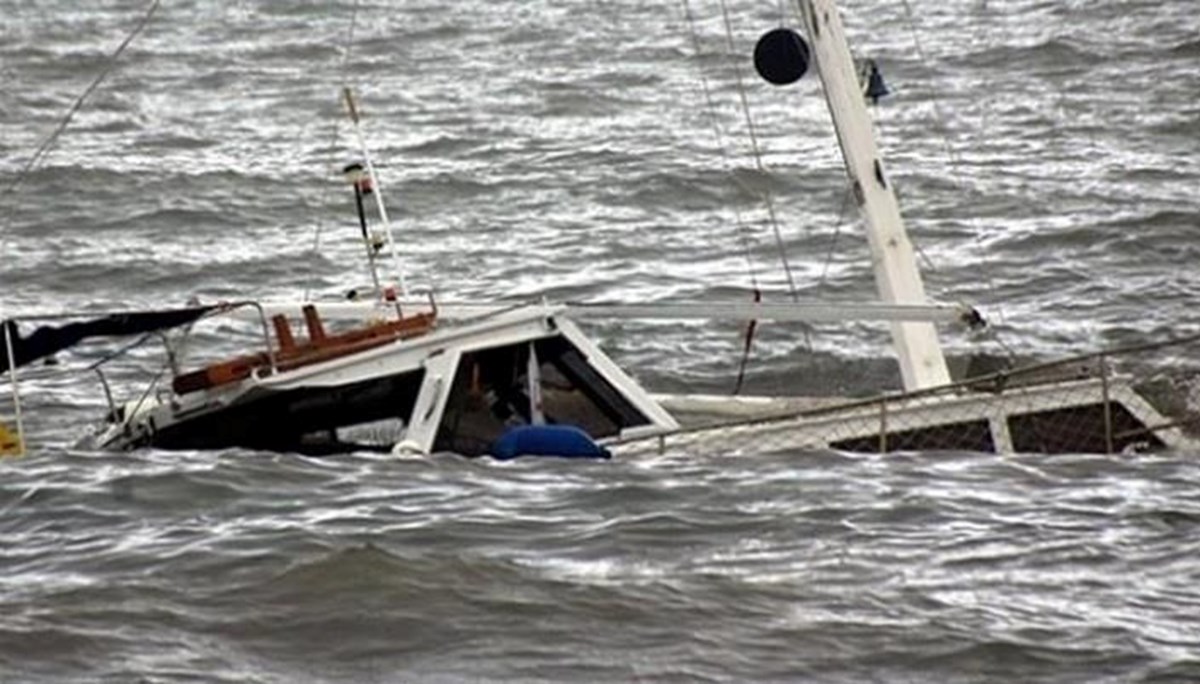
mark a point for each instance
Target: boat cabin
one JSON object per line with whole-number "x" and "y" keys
{"x": 406, "y": 385}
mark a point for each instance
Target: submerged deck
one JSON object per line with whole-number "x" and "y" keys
{"x": 1077, "y": 405}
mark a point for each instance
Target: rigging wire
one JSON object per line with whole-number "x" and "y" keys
{"x": 742, "y": 228}
{"x": 837, "y": 232}
{"x": 757, "y": 153}
{"x": 956, "y": 165}
{"x": 47, "y": 143}
{"x": 846, "y": 195}
{"x": 766, "y": 194}
{"x": 942, "y": 121}
{"x": 718, "y": 135}
{"x": 343, "y": 70}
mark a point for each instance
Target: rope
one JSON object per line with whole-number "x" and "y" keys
{"x": 953, "y": 157}
{"x": 956, "y": 167}
{"x": 44, "y": 148}
{"x": 743, "y": 229}
{"x": 334, "y": 134}
{"x": 754, "y": 146}
{"x": 837, "y": 231}
{"x": 47, "y": 143}
{"x": 710, "y": 111}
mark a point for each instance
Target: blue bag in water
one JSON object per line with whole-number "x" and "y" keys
{"x": 565, "y": 441}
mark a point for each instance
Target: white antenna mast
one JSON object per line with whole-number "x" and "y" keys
{"x": 348, "y": 95}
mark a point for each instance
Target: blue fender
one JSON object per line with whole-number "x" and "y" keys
{"x": 565, "y": 441}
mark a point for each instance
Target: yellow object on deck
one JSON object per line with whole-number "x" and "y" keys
{"x": 10, "y": 442}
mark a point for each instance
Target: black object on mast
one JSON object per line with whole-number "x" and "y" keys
{"x": 362, "y": 186}
{"x": 361, "y": 181}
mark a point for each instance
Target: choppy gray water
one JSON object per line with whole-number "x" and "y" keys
{"x": 1047, "y": 158}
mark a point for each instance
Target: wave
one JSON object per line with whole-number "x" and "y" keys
{"x": 1052, "y": 53}
{"x": 1189, "y": 48}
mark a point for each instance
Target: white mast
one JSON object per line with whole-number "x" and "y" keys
{"x": 348, "y": 95}
{"x": 896, "y": 275}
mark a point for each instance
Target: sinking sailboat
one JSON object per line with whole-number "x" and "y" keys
{"x": 424, "y": 376}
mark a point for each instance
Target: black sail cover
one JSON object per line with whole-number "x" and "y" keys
{"x": 46, "y": 340}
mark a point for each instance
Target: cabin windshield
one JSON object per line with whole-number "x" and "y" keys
{"x": 489, "y": 395}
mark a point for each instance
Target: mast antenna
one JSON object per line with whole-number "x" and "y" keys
{"x": 352, "y": 108}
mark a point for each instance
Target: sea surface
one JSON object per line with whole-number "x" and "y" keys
{"x": 1047, "y": 158}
